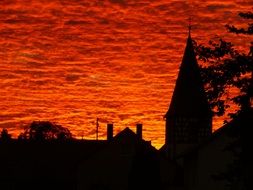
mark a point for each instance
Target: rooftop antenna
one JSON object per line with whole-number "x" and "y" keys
{"x": 82, "y": 135}
{"x": 97, "y": 125}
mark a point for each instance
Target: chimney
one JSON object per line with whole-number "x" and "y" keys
{"x": 139, "y": 130}
{"x": 109, "y": 131}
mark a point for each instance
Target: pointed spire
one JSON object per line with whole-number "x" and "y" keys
{"x": 189, "y": 95}
{"x": 189, "y": 118}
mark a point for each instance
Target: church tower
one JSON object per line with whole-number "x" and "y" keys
{"x": 189, "y": 118}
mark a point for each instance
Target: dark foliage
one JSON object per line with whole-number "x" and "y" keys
{"x": 225, "y": 68}
{"x": 5, "y": 136}
{"x": 45, "y": 130}
{"x": 248, "y": 30}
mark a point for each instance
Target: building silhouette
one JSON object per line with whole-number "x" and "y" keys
{"x": 189, "y": 117}
{"x": 219, "y": 160}
{"x": 192, "y": 158}
{"x": 124, "y": 161}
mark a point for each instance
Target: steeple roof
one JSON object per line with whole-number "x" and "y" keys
{"x": 189, "y": 97}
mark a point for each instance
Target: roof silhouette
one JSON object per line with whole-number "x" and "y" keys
{"x": 189, "y": 97}
{"x": 126, "y": 134}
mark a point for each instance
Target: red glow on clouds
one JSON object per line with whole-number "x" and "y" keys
{"x": 73, "y": 61}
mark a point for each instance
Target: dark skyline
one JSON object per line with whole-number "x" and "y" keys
{"x": 70, "y": 62}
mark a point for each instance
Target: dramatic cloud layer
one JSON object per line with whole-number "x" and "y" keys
{"x": 71, "y": 61}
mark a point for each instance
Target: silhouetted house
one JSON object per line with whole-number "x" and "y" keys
{"x": 43, "y": 165}
{"x": 225, "y": 160}
{"x": 125, "y": 161}
{"x": 189, "y": 118}
{"x": 128, "y": 162}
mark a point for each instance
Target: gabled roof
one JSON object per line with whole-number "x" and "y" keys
{"x": 126, "y": 134}
{"x": 189, "y": 97}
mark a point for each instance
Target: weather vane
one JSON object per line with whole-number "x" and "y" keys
{"x": 190, "y": 12}
{"x": 190, "y": 25}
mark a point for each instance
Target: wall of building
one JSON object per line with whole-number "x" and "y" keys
{"x": 210, "y": 160}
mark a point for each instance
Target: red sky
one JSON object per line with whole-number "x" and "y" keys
{"x": 71, "y": 61}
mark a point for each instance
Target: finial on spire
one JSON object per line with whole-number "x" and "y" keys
{"x": 190, "y": 25}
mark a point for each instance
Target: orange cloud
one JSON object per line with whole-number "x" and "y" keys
{"x": 73, "y": 61}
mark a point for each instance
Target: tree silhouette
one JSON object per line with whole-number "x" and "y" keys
{"x": 248, "y": 30}
{"x": 45, "y": 130}
{"x": 5, "y": 136}
{"x": 228, "y": 67}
